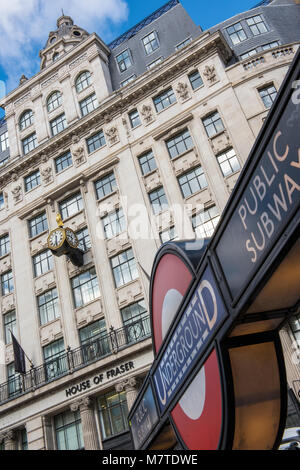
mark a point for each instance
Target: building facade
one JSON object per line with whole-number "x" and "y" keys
{"x": 134, "y": 143}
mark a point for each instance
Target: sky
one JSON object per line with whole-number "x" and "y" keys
{"x": 25, "y": 25}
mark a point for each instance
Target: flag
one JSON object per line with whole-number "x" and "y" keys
{"x": 19, "y": 356}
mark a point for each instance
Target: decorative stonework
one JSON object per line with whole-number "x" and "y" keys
{"x": 78, "y": 61}
{"x": 112, "y": 136}
{"x": 22, "y": 100}
{"x": 23, "y": 79}
{"x": 77, "y": 151}
{"x": 183, "y": 91}
{"x": 147, "y": 113}
{"x": 47, "y": 175}
{"x": 17, "y": 193}
{"x": 221, "y": 142}
{"x": 210, "y": 74}
{"x": 81, "y": 404}
{"x": 50, "y": 80}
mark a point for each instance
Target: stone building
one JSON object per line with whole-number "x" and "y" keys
{"x": 134, "y": 143}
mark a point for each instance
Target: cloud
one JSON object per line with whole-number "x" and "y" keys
{"x": 25, "y": 25}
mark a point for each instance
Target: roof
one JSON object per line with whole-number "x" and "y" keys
{"x": 135, "y": 29}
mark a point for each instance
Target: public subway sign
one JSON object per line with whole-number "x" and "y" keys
{"x": 218, "y": 378}
{"x": 269, "y": 200}
{"x": 201, "y": 319}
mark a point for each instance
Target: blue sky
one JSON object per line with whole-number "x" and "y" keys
{"x": 24, "y": 26}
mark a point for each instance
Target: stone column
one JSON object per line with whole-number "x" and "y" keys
{"x": 130, "y": 387}
{"x": 10, "y": 440}
{"x": 89, "y": 429}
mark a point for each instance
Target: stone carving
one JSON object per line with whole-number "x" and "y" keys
{"x": 147, "y": 113}
{"x": 47, "y": 174}
{"x": 17, "y": 193}
{"x": 210, "y": 73}
{"x": 78, "y": 61}
{"x": 50, "y": 80}
{"x": 78, "y": 151}
{"x": 23, "y": 79}
{"x": 112, "y": 135}
{"x": 182, "y": 90}
{"x": 81, "y": 404}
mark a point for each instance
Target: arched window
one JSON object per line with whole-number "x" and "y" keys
{"x": 54, "y": 101}
{"x": 83, "y": 81}
{"x": 26, "y": 119}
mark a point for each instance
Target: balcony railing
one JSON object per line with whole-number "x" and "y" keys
{"x": 72, "y": 360}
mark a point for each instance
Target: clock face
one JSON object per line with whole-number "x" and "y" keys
{"x": 71, "y": 238}
{"x": 56, "y": 238}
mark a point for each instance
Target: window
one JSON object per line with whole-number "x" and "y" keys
{"x": 113, "y": 412}
{"x": 23, "y": 440}
{"x": 10, "y": 325}
{"x": 248, "y": 54}
{"x": 213, "y": 124}
{"x": 7, "y": 283}
{"x": 85, "y": 287}
{"x": 1, "y": 201}
{"x": 26, "y": 120}
{"x": 147, "y": 162}
{"x": 294, "y": 322}
{"x": 134, "y": 118}
{"x": 151, "y": 42}
{"x": 14, "y": 381}
{"x": 270, "y": 45}
{"x": 183, "y": 43}
{"x": 38, "y": 225}
{"x": 29, "y": 143}
{"x": 68, "y": 431}
{"x": 114, "y": 223}
{"x": 94, "y": 341}
{"x": 42, "y": 263}
{"x": 32, "y": 181}
{"x": 55, "y": 359}
{"x": 48, "y": 306}
{"x": 4, "y": 142}
{"x": 268, "y": 95}
{"x": 155, "y": 62}
{"x": 179, "y": 144}
{"x": 192, "y": 181}
{"x": 62, "y": 162}
{"x": 195, "y": 80}
{"x": 124, "y": 268}
{"x": 136, "y": 321}
{"x": 4, "y": 245}
{"x": 70, "y": 206}
{"x": 83, "y": 239}
{"x": 58, "y": 124}
{"x": 124, "y": 60}
{"x": 95, "y": 141}
{"x": 158, "y": 200}
{"x": 128, "y": 80}
{"x": 54, "y": 101}
{"x": 88, "y": 104}
{"x": 55, "y": 57}
{"x": 168, "y": 235}
{"x": 83, "y": 81}
{"x": 228, "y": 162}
{"x": 257, "y": 25}
{"x": 204, "y": 223}
{"x": 105, "y": 185}
{"x": 236, "y": 33}
{"x": 164, "y": 100}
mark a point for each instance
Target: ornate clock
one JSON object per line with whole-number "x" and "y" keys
{"x": 64, "y": 241}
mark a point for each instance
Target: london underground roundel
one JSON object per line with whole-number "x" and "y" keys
{"x": 198, "y": 414}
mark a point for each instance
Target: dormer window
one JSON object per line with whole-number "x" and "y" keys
{"x": 55, "y": 56}
{"x": 26, "y": 119}
{"x": 52, "y": 40}
{"x": 77, "y": 33}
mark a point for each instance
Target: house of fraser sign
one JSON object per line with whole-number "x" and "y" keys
{"x": 218, "y": 376}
